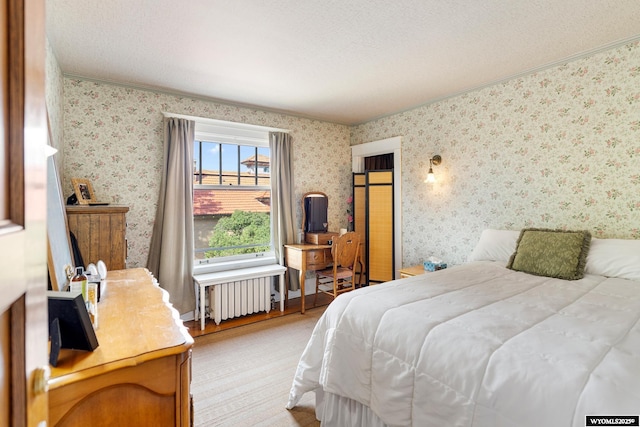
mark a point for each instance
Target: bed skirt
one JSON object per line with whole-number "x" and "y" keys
{"x": 337, "y": 411}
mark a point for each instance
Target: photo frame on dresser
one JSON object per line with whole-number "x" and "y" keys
{"x": 69, "y": 324}
{"x": 83, "y": 190}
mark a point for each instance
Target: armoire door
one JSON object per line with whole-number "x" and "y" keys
{"x": 374, "y": 218}
{"x": 23, "y": 132}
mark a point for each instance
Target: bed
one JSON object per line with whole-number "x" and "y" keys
{"x": 484, "y": 343}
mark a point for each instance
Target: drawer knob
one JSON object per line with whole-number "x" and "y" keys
{"x": 41, "y": 377}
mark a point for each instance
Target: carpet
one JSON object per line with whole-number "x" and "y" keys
{"x": 241, "y": 377}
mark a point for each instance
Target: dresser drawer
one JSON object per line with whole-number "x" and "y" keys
{"x": 318, "y": 259}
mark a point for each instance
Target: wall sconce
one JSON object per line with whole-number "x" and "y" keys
{"x": 434, "y": 161}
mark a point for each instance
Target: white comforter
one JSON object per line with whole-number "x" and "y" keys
{"x": 481, "y": 345}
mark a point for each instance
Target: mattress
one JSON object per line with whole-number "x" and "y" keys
{"x": 480, "y": 345}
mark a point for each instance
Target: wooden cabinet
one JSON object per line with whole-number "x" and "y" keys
{"x": 412, "y": 271}
{"x": 140, "y": 374}
{"x": 100, "y": 231}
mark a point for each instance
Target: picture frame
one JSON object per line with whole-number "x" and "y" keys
{"x": 84, "y": 191}
{"x": 69, "y": 324}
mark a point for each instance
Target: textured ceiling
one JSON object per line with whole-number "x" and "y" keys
{"x": 345, "y": 61}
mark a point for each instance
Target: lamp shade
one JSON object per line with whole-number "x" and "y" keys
{"x": 431, "y": 178}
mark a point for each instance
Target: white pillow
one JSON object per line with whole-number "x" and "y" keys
{"x": 495, "y": 245}
{"x": 614, "y": 258}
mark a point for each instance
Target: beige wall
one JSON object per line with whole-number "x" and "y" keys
{"x": 558, "y": 148}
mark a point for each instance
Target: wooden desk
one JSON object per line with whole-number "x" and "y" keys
{"x": 307, "y": 257}
{"x": 140, "y": 374}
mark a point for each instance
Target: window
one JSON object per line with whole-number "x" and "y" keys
{"x": 232, "y": 192}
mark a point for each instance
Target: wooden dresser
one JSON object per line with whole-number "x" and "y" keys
{"x": 140, "y": 374}
{"x": 100, "y": 231}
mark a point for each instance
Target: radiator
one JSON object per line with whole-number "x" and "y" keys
{"x": 239, "y": 298}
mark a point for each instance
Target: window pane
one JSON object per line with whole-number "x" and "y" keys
{"x": 264, "y": 174}
{"x": 247, "y": 165}
{"x": 231, "y": 221}
{"x": 196, "y": 162}
{"x": 206, "y": 153}
{"x": 230, "y": 164}
{"x": 210, "y": 163}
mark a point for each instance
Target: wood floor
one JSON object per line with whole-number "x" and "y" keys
{"x": 292, "y": 306}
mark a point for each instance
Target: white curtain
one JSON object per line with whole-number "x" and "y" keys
{"x": 171, "y": 252}
{"x": 283, "y": 198}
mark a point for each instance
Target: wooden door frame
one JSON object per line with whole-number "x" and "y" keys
{"x": 374, "y": 148}
{"x": 23, "y": 222}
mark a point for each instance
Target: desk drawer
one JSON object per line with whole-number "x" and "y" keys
{"x": 318, "y": 259}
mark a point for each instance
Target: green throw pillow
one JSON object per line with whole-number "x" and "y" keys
{"x": 552, "y": 253}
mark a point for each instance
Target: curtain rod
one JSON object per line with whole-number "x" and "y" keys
{"x": 205, "y": 120}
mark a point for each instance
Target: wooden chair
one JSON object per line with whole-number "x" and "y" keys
{"x": 341, "y": 277}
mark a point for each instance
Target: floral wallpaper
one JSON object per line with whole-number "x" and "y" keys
{"x": 113, "y": 137}
{"x": 559, "y": 148}
{"x": 53, "y": 99}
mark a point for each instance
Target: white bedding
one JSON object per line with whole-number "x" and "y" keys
{"x": 480, "y": 345}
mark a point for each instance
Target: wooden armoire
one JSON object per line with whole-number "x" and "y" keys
{"x": 373, "y": 219}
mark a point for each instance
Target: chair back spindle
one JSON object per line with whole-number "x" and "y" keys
{"x": 341, "y": 276}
